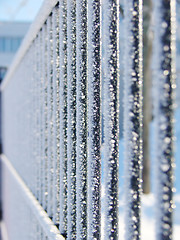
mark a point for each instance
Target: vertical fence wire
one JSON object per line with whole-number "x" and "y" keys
{"x": 111, "y": 113}
{"x": 44, "y": 89}
{"x": 32, "y": 140}
{"x": 31, "y": 166}
{"x": 133, "y": 117}
{"x": 28, "y": 118}
{"x": 164, "y": 115}
{"x": 71, "y": 111}
{"x": 37, "y": 163}
{"x": 35, "y": 110}
{"x": 41, "y": 95}
{"x": 55, "y": 115}
{"x": 35, "y": 137}
{"x": 34, "y": 130}
{"x": 50, "y": 114}
{"x": 32, "y": 115}
{"x": 31, "y": 159}
{"x": 81, "y": 120}
{"x": 63, "y": 115}
{"x": 39, "y": 116}
{"x": 27, "y": 149}
{"x": 94, "y": 122}
{"x": 38, "y": 140}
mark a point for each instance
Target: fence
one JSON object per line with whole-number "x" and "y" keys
{"x": 52, "y": 165}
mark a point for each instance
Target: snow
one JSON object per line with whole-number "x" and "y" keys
{"x": 177, "y": 198}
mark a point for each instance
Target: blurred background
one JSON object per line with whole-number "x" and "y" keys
{"x": 15, "y": 19}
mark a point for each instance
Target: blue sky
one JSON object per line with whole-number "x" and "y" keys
{"x": 19, "y": 10}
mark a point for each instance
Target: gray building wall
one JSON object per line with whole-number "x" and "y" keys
{"x": 11, "y": 34}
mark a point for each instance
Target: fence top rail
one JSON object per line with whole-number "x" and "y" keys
{"x": 35, "y": 27}
{"x": 45, "y": 222}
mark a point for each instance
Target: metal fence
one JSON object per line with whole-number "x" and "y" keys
{"x": 52, "y": 171}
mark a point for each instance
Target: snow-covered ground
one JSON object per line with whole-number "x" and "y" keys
{"x": 148, "y": 221}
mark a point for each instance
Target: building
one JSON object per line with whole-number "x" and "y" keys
{"x": 11, "y": 35}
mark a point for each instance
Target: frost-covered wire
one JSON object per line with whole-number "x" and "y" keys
{"x": 133, "y": 117}
{"x": 164, "y": 84}
{"x": 63, "y": 114}
{"x": 111, "y": 116}
{"x": 71, "y": 112}
{"x": 94, "y": 122}
{"x": 81, "y": 118}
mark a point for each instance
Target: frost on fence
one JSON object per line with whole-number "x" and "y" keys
{"x": 94, "y": 123}
{"x": 50, "y": 104}
{"x": 63, "y": 115}
{"x": 164, "y": 84}
{"x": 71, "y": 111}
{"x": 52, "y": 127}
{"x": 111, "y": 113}
{"x": 133, "y": 116}
{"x": 44, "y": 118}
{"x": 81, "y": 121}
{"x": 56, "y": 120}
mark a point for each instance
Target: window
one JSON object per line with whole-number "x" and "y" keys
{"x": 15, "y": 44}
{"x": 2, "y": 44}
{"x": 8, "y": 44}
{"x": 2, "y": 73}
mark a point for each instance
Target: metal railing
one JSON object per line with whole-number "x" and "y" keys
{"x": 52, "y": 119}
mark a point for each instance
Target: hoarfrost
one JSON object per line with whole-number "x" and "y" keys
{"x": 94, "y": 93}
{"x": 133, "y": 117}
{"x": 71, "y": 111}
{"x": 111, "y": 113}
{"x": 63, "y": 115}
{"x": 164, "y": 83}
{"x": 81, "y": 118}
